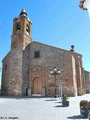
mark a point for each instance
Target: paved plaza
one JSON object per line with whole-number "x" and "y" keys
{"x": 40, "y": 108}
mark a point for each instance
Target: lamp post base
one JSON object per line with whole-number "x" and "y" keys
{"x": 55, "y": 96}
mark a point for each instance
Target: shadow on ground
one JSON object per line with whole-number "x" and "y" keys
{"x": 58, "y": 102}
{"x": 21, "y": 97}
{"x": 76, "y": 117}
{"x": 51, "y": 100}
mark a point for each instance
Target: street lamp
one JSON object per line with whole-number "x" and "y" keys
{"x": 55, "y": 72}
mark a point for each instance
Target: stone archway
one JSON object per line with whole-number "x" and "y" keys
{"x": 37, "y": 86}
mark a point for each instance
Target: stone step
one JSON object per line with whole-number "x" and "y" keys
{"x": 36, "y": 94}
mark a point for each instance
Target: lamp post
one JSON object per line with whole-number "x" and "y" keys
{"x": 55, "y": 72}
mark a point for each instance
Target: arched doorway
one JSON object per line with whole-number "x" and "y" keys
{"x": 37, "y": 86}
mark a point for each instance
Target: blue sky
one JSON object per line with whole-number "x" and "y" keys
{"x": 59, "y": 23}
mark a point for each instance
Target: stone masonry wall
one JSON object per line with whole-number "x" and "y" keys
{"x": 25, "y": 70}
{"x": 87, "y": 81}
{"x": 15, "y": 77}
{"x": 49, "y": 58}
{"x": 5, "y": 74}
{"x": 80, "y": 75}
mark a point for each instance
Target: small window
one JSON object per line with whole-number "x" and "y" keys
{"x": 36, "y": 54}
{"x": 5, "y": 66}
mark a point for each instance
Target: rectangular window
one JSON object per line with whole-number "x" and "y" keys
{"x": 5, "y": 66}
{"x": 36, "y": 54}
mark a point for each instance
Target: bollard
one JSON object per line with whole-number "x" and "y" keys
{"x": 89, "y": 115}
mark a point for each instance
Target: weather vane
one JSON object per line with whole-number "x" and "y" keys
{"x": 85, "y": 5}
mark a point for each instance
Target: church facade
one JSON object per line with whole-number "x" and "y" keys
{"x": 26, "y": 68}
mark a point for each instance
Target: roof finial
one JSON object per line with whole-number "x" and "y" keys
{"x": 23, "y": 12}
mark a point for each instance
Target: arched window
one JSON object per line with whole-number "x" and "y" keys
{"x": 18, "y": 27}
{"x": 27, "y": 28}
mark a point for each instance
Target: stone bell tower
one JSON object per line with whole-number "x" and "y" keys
{"x": 21, "y": 30}
{"x": 21, "y": 37}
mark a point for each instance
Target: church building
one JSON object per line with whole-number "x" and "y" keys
{"x": 27, "y": 68}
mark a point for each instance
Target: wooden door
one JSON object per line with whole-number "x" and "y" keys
{"x": 37, "y": 86}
